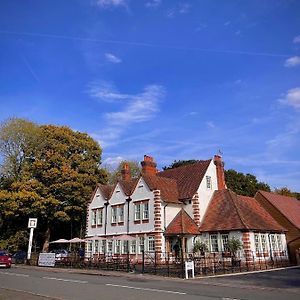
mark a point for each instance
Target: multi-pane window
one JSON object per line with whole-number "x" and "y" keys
{"x": 214, "y": 243}
{"x": 90, "y": 246}
{"x": 257, "y": 242}
{"x": 114, "y": 211}
{"x": 99, "y": 216}
{"x": 117, "y": 246}
{"x": 274, "y": 245}
{"x": 96, "y": 246}
{"x": 109, "y": 246}
{"x": 208, "y": 182}
{"x": 225, "y": 242}
{"x": 121, "y": 214}
{"x": 151, "y": 243}
{"x": 279, "y": 242}
{"x": 133, "y": 247}
{"x": 263, "y": 243}
{"x": 125, "y": 247}
{"x": 141, "y": 244}
{"x": 103, "y": 246}
{"x": 146, "y": 210}
{"x": 94, "y": 217}
{"x": 137, "y": 211}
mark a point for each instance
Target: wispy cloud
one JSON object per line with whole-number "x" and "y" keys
{"x": 292, "y": 98}
{"x": 107, "y": 4}
{"x": 112, "y": 58}
{"x": 153, "y": 3}
{"x": 30, "y": 69}
{"x": 292, "y": 62}
{"x": 210, "y": 124}
{"x": 181, "y": 8}
{"x": 136, "y": 108}
{"x": 296, "y": 39}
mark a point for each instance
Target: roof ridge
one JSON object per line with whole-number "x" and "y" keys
{"x": 237, "y": 209}
{"x": 188, "y": 165}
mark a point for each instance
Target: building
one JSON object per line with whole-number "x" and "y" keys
{"x": 167, "y": 210}
{"x": 286, "y": 211}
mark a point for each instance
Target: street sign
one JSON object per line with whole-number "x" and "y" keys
{"x": 32, "y": 222}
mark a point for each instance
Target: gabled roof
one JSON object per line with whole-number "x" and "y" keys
{"x": 168, "y": 187}
{"x": 106, "y": 190}
{"x": 182, "y": 224}
{"x": 188, "y": 177}
{"x": 128, "y": 185}
{"x": 229, "y": 211}
{"x": 288, "y": 206}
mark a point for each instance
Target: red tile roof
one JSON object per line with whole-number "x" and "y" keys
{"x": 229, "y": 211}
{"x": 106, "y": 190}
{"x": 182, "y": 224}
{"x": 188, "y": 177}
{"x": 288, "y": 206}
{"x": 168, "y": 187}
{"x": 128, "y": 185}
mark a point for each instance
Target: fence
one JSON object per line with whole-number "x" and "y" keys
{"x": 171, "y": 265}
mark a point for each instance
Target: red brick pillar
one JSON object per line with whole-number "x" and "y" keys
{"x": 247, "y": 246}
{"x": 196, "y": 209}
{"x": 158, "y": 223}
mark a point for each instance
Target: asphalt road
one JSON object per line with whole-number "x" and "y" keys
{"x": 41, "y": 284}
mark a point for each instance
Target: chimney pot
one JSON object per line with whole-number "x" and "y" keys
{"x": 148, "y": 165}
{"x": 220, "y": 171}
{"x": 125, "y": 172}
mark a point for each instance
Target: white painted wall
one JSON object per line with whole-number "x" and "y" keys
{"x": 170, "y": 212}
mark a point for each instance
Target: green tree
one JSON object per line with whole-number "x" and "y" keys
{"x": 244, "y": 184}
{"x": 287, "y": 192}
{"x": 180, "y": 163}
{"x": 56, "y": 182}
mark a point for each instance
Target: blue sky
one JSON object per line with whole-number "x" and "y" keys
{"x": 172, "y": 79}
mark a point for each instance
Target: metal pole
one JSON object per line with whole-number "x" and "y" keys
{"x": 30, "y": 244}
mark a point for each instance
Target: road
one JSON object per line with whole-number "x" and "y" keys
{"x": 41, "y": 284}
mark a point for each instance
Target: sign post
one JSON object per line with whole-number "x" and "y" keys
{"x": 189, "y": 265}
{"x": 32, "y": 222}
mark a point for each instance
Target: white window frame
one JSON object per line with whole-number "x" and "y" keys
{"x": 94, "y": 217}
{"x": 137, "y": 211}
{"x": 257, "y": 243}
{"x": 151, "y": 243}
{"x": 224, "y": 241}
{"x": 133, "y": 247}
{"x": 214, "y": 243}
{"x": 141, "y": 244}
{"x": 114, "y": 213}
{"x": 279, "y": 242}
{"x": 118, "y": 246}
{"x": 264, "y": 245}
{"x": 121, "y": 214}
{"x": 99, "y": 216}
{"x": 145, "y": 212}
{"x": 109, "y": 246}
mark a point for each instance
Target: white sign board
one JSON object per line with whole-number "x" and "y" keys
{"x": 32, "y": 222}
{"x": 189, "y": 265}
{"x": 46, "y": 260}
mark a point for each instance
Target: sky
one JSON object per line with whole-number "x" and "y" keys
{"x": 171, "y": 79}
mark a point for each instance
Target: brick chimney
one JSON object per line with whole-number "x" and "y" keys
{"x": 126, "y": 176}
{"x": 220, "y": 172}
{"x": 148, "y": 165}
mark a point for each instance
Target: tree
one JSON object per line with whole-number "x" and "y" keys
{"x": 115, "y": 175}
{"x": 56, "y": 182}
{"x": 287, "y": 192}
{"x": 244, "y": 184}
{"x": 18, "y": 139}
{"x": 180, "y": 163}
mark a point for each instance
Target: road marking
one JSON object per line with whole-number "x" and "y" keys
{"x": 144, "y": 289}
{"x": 67, "y": 280}
{"x": 15, "y": 274}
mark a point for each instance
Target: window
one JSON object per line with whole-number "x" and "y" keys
{"x": 263, "y": 243}
{"x": 279, "y": 242}
{"x": 225, "y": 242}
{"x": 103, "y": 246}
{"x": 99, "y": 216}
{"x": 109, "y": 246}
{"x": 146, "y": 210}
{"x": 141, "y": 244}
{"x": 121, "y": 214}
{"x": 90, "y": 246}
{"x": 96, "y": 246}
{"x": 151, "y": 243}
{"x": 208, "y": 182}
{"x": 94, "y": 217}
{"x": 214, "y": 243}
{"x": 117, "y": 246}
{"x": 273, "y": 242}
{"x": 125, "y": 248}
{"x": 114, "y": 214}
{"x": 133, "y": 247}
{"x": 137, "y": 211}
{"x": 257, "y": 242}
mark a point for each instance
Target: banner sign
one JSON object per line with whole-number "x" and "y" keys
{"x": 46, "y": 260}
